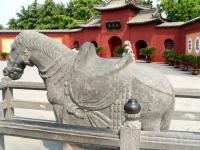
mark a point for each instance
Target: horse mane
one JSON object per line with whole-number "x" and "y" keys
{"x": 33, "y": 40}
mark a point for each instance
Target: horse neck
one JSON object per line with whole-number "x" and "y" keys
{"x": 48, "y": 66}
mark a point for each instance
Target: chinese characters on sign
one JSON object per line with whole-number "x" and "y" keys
{"x": 189, "y": 45}
{"x": 197, "y": 45}
{"x": 193, "y": 44}
{"x": 113, "y": 25}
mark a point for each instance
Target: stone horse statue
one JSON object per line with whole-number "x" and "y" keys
{"x": 86, "y": 89}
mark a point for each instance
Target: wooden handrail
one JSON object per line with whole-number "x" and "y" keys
{"x": 13, "y": 103}
{"x": 24, "y": 85}
{"x": 64, "y": 133}
{"x": 170, "y": 140}
{"x": 179, "y": 92}
{"x": 97, "y": 136}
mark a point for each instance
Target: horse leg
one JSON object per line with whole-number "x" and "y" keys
{"x": 166, "y": 119}
{"x": 58, "y": 111}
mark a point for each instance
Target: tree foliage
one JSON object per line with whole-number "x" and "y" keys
{"x": 1, "y": 27}
{"x": 82, "y": 9}
{"x": 181, "y": 10}
{"x": 27, "y": 17}
{"x": 53, "y": 15}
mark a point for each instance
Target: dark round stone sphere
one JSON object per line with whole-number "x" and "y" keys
{"x": 132, "y": 107}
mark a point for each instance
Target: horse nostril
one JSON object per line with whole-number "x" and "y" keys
{"x": 5, "y": 72}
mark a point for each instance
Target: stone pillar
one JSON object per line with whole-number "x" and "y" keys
{"x": 131, "y": 129}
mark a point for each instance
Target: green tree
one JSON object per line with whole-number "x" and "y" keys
{"x": 82, "y": 9}
{"x": 1, "y": 27}
{"x": 62, "y": 10}
{"x": 53, "y": 16}
{"x": 46, "y": 13}
{"x": 12, "y": 24}
{"x": 27, "y": 18}
{"x": 181, "y": 10}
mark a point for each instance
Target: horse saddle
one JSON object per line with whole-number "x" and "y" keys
{"x": 94, "y": 82}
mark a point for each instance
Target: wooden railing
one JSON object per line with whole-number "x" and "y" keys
{"x": 102, "y": 137}
{"x": 96, "y": 136}
{"x": 9, "y": 103}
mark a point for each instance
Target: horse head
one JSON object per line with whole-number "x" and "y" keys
{"x": 18, "y": 59}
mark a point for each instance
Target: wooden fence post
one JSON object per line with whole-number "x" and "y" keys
{"x": 2, "y": 146}
{"x": 131, "y": 129}
{"x": 7, "y": 96}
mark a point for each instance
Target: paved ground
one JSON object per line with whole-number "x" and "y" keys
{"x": 181, "y": 79}
{"x": 178, "y": 79}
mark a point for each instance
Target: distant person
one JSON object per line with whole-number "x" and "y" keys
{"x": 75, "y": 49}
{"x": 76, "y": 46}
{"x": 128, "y": 50}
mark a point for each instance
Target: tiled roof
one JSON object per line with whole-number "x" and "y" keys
{"x": 44, "y": 31}
{"x": 145, "y": 16}
{"x": 192, "y": 20}
{"x": 171, "y": 24}
{"x": 178, "y": 24}
{"x": 116, "y": 4}
{"x": 95, "y": 21}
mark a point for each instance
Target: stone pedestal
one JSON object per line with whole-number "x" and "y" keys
{"x": 131, "y": 129}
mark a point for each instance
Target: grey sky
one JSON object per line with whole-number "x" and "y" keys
{"x": 9, "y": 8}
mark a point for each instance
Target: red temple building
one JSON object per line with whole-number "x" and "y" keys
{"x": 122, "y": 20}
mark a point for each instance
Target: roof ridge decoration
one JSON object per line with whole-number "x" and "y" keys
{"x": 157, "y": 13}
{"x": 128, "y": 1}
{"x": 105, "y": 3}
{"x": 178, "y": 23}
{"x": 93, "y": 17}
{"x": 117, "y": 4}
{"x": 145, "y": 16}
{"x": 94, "y": 21}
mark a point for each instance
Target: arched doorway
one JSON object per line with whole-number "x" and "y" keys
{"x": 140, "y": 44}
{"x": 169, "y": 44}
{"x": 95, "y": 43}
{"x": 114, "y": 42}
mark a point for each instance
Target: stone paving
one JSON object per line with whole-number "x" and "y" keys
{"x": 179, "y": 79}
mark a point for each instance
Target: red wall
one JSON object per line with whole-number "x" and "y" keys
{"x": 188, "y": 29}
{"x": 76, "y": 36}
{"x": 144, "y": 32}
{"x": 162, "y": 34}
{"x": 152, "y": 35}
{"x": 122, "y": 15}
{"x": 65, "y": 37}
{"x": 6, "y": 36}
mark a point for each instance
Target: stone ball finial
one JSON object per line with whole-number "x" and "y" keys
{"x": 132, "y": 107}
